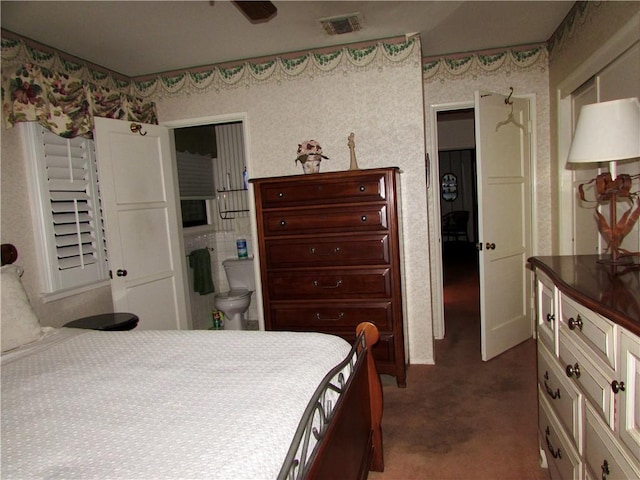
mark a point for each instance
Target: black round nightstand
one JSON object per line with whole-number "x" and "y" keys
{"x": 106, "y": 321}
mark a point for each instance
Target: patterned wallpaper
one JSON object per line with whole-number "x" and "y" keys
{"x": 383, "y": 92}
{"x": 326, "y": 102}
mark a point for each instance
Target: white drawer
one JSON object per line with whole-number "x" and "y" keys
{"x": 561, "y": 393}
{"x": 602, "y": 455}
{"x": 546, "y": 311}
{"x": 562, "y": 457}
{"x": 629, "y": 399}
{"x": 596, "y": 333}
{"x": 594, "y": 381}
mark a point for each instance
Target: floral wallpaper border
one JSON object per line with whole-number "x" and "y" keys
{"x": 576, "y": 16}
{"x": 16, "y": 51}
{"x": 478, "y": 64}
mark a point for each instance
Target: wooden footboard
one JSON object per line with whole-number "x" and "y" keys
{"x": 350, "y": 438}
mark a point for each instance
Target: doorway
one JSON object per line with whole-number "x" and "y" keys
{"x": 223, "y": 216}
{"x": 459, "y": 226}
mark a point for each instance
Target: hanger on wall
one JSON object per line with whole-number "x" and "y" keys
{"x": 510, "y": 117}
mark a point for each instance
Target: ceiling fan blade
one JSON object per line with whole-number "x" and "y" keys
{"x": 257, "y": 11}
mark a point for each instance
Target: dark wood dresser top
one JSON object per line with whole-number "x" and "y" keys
{"x": 607, "y": 290}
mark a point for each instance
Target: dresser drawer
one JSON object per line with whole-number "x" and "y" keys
{"x": 564, "y": 461}
{"x": 328, "y": 251}
{"x": 366, "y": 188}
{"x": 594, "y": 381}
{"x": 329, "y": 284}
{"x": 331, "y": 316}
{"x": 588, "y": 327}
{"x": 628, "y": 406}
{"x": 604, "y": 458}
{"x": 317, "y": 221}
{"x": 561, "y": 394}
{"x": 546, "y": 311}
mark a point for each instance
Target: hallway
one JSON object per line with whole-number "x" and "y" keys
{"x": 464, "y": 418}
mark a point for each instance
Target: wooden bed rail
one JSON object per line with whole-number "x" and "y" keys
{"x": 371, "y": 337}
{"x": 349, "y": 436}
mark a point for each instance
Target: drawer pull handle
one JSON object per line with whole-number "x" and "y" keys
{"x": 362, "y": 188}
{"x": 575, "y": 323}
{"x": 283, "y": 223}
{"x": 316, "y": 283}
{"x": 550, "y": 317}
{"x": 605, "y": 470}
{"x": 280, "y": 195}
{"x": 617, "y": 386}
{"x": 333, "y": 251}
{"x": 329, "y": 319}
{"x": 363, "y": 218}
{"x": 554, "y": 452}
{"x": 573, "y": 370}
{"x": 555, "y": 395}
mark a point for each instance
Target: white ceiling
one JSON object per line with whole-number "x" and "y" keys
{"x": 137, "y": 38}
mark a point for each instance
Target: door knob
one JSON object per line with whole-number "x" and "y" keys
{"x": 121, "y": 272}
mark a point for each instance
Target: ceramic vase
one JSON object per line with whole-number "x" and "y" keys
{"x": 312, "y": 165}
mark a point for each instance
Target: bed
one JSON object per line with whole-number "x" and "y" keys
{"x": 184, "y": 404}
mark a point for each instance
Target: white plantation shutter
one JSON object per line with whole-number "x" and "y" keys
{"x": 72, "y": 228}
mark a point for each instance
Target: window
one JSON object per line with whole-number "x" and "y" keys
{"x": 68, "y": 220}
{"x": 195, "y": 179}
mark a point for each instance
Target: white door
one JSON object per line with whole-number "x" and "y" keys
{"x": 144, "y": 245}
{"x": 503, "y": 165}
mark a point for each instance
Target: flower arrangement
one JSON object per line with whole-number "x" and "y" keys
{"x": 307, "y": 149}
{"x": 310, "y": 155}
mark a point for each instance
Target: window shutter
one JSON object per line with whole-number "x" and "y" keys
{"x": 195, "y": 175}
{"x": 71, "y": 214}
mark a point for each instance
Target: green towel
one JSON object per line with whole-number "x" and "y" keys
{"x": 200, "y": 261}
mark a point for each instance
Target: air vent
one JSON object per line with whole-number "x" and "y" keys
{"x": 342, "y": 24}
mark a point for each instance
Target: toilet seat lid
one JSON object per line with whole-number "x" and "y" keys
{"x": 235, "y": 293}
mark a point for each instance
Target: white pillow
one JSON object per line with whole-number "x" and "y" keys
{"x": 20, "y": 325}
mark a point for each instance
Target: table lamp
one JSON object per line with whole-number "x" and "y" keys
{"x": 608, "y": 132}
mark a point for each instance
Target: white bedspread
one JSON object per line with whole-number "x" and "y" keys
{"x": 159, "y": 404}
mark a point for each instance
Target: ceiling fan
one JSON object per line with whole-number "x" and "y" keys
{"x": 257, "y": 12}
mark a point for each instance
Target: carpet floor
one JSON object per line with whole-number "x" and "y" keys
{"x": 463, "y": 418}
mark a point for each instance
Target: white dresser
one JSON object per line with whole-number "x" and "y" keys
{"x": 588, "y": 324}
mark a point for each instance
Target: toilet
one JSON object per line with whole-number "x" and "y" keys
{"x": 236, "y": 301}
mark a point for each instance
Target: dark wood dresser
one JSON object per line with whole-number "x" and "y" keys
{"x": 330, "y": 257}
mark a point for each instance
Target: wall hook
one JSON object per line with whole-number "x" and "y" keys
{"x": 507, "y": 101}
{"x": 137, "y": 128}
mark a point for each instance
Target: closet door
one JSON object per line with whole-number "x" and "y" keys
{"x": 586, "y": 240}
{"x": 620, "y": 79}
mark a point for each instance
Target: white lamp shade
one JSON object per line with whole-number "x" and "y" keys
{"x": 606, "y": 132}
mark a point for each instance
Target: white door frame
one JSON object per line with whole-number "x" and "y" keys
{"x": 435, "y": 243}
{"x": 228, "y": 118}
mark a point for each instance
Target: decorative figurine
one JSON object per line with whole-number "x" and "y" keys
{"x": 352, "y": 150}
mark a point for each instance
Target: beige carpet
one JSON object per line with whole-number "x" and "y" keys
{"x": 463, "y": 418}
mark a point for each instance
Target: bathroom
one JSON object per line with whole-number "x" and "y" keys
{"x": 215, "y": 207}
